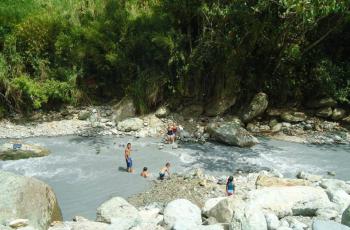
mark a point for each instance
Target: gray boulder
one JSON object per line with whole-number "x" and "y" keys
{"x": 28, "y": 198}
{"x": 15, "y": 151}
{"x": 328, "y": 225}
{"x": 345, "y": 219}
{"x": 223, "y": 210}
{"x": 219, "y": 106}
{"x": 293, "y": 116}
{"x": 323, "y": 102}
{"x": 324, "y": 112}
{"x": 248, "y": 218}
{"x": 338, "y": 114}
{"x": 124, "y": 109}
{"x": 182, "y": 212}
{"x": 257, "y": 106}
{"x": 231, "y": 134}
{"x": 272, "y": 221}
{"x": 130, "y": 124}
{"x": 84, "y": 115}
{"x": 115, "y": 210}
{"x": 194, "y": 110}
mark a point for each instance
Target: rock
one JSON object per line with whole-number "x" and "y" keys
{"x": 324, "y": 112}
{"x": 124, "y": 109}
{"x": 293, "y": 116}
{"x": 15, "y": 151}
{"x": 223, "y": 211}
{"x": 276, "y": 128}
{"x": 210, "y": 203}
{"x": 250, "y": 217}
{"x": 162, "y": 112}
{"x": 209, "y": 227}
{"x": 256, "y": 107}
{"x": 345, "y": 219}
{"x": 272, "y": 112}
{"x": 192, "y": 111}
{"x": 287, "y": 201}
{"x": 182, "y": 211}
{"x": 338, "y": 114}
{"x": 331, "y": 173}
{"x": 18, "y": 223}
{"x": 231, "y": 134}
{"x": 91, "y": 225}
{"x": 84, "y": 115}
{"x": 116, "y": 208}
{"x": 328, "y": 225}
{"x": 272, "y": 221}
{"x": 219, "y": 106}
{"x": 251, "y": 127}
{"x": 335, "y": 184}
{"x": 28, "y": 198}
{"x": 324, "y": 102}
{"x": 339, "y": 197}
{"x": 346, "y": 120}
{"x": 130, "y": 124}
{"x": 308, "y": 176}
{"x": 266, "y": 181}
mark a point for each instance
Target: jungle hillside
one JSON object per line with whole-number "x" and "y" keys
{"x": 75, "y": 52}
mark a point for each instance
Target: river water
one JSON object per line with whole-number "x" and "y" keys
{"x": 85, "y": 172}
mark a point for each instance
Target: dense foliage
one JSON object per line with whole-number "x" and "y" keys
{"x": 54, "y": 52}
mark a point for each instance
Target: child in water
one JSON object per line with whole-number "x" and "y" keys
{"x": 164, "y": 170}
{"x": 128, "y": 160}
{"x": 145, "y": 172}
{"x": 230, "y": 187}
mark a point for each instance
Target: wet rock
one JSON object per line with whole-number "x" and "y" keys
{"x": 219, "y": 106}
{"x": 116, "y": 209}
{"x": 84, "y": 115}
{"x": 27, "y": 198}
{"x": 338, "y": 114}
{"x": 124, "y": 109}
{"x": 328, "y": 225}
{"x": 162, "y": 112}
{"x": 256, "y": 107}
{"x": 182, "y": 211}
{"x": 231, "y": 134}
{"x": 15, "y": 151}
{"x": 130, "y": 124}
{"x": 266, "y": 181}
{"x": 345, "y": 219}
{"x": 293, "y": 116}
{"x": 324, "y": 112}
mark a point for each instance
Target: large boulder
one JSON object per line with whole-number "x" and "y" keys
{"x": 323, "y": 102}
{"x": 345, "y": 219}
{"x": 194, "y": 110}
{"x": 292, "y": 116}
{"x": 248, "y": 218}
{"x": 287, "y": 201}
{"x": 223, "y": 211}
{"x": 338, "y": 113}
{"x": 211, "y": 203}
{"x": 219, "y": 106}
{"x": 15, "y": 151}
{"x": 272, "y": 221}
{"x": 124, "y": 109}
{"x": 231, "y": 134}
{"x": 324, "y": 112}
{"x": 182, "y": 212}
{"x": 257, "y": 106}
{"x": 28, "y": 198}
{"x": 115, "y": 210}
{"x": 162, "y": 112}
{"x": 267, "y": 181}
{"x": 328, "y": 225}
{"x": 84, "y": 115}
{"x": 338, "y": 192}
{"x": 130, "y": 124}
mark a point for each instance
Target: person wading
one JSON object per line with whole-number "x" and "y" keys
{"x": 128, "y": 160}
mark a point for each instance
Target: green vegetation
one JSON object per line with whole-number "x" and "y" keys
{"x": 56, "y": 52}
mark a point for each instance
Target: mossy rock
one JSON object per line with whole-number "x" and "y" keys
{"x": 7, "y": 152}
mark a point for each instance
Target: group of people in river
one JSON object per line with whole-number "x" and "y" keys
{"x": 145, "y": 173}
{"x": 171, "y": 138}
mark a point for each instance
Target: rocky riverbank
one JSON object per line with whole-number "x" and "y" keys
{"x": 193, "y": 200}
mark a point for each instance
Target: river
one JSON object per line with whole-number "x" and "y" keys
{"x": 85, "y": 172}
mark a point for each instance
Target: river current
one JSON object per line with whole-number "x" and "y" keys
{"x": 85, "y": 172}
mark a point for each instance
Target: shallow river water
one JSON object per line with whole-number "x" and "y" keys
{"x": 85, "y": 172}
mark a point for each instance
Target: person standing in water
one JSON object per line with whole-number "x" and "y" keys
{"x": 230, "y": 187}
{"x": 164, "y": 170}
{"x": 127, "y": 154}
{"x": 145, "y": 172}
{"x": 170, "y": 134}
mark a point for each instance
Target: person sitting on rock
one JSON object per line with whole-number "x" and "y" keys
{"x": 127, "y": 154}
{"x": 145, "y": 172}
{"x": 164, "y": 170}
{"x": 230, "y": 187}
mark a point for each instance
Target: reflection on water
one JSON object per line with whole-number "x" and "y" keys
{"x": 84, "y": 172}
